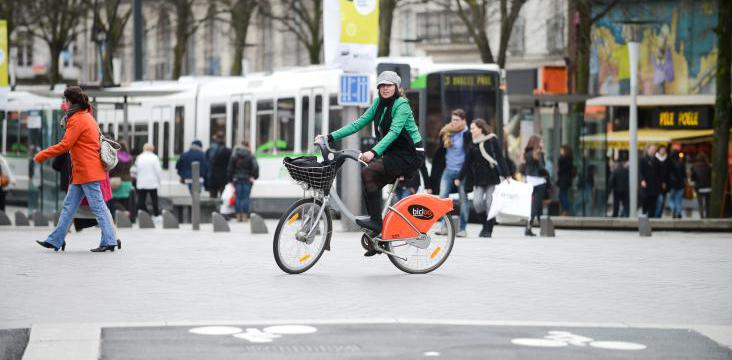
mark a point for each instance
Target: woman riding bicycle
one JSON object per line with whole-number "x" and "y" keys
{"x": 399, "y": 151}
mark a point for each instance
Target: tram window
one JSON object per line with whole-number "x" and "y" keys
{"x": 166, "y": 144}
{"x": 156, "y": 132}
{"x": 110, "y": 129}
{"x": 265, "y": 127}
{"x": 178, "y": 130}
{"x": 334, "y": 114}
{"x": 318, "y": 114}
{"x": 139, "y": 138}
{"x": 218, "y": 119}
{"x": 286, "y": 123}
{"x": 121, "y": 134}
{"x": 305, "y": 135}
{"x": 234, "y": 123}
{"x": 247, "y": 125}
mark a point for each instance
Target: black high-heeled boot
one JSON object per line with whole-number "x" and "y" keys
{"x": 484, "y": 231}
{"x": 104, "y": 248}
{"x": 119, "y": 244}
{"x": 48, "y": 245}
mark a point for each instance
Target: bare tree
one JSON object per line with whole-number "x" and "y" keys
{"x": 475, "y": 15}
{"x": 722, "y": 108}
{"x": 186, "y": 25}
{"x": 240, "y": 15}
{"x": 10, "y": 10}
{"x": 583, "y": 42}
{"x": 304, "y": 19}
{"x": 107, "y": 18}
{"x": 386, "y": 17}
{"x": 56, "y": 23}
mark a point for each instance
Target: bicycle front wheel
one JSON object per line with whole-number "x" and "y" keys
{"x": 425, "y": 255}
{"x": 299, "y": 241}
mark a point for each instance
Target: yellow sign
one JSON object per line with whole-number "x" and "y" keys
{"x": 4, "y": 53}
{"x": 467, "y": 81}
{"x": 360, "y": 22}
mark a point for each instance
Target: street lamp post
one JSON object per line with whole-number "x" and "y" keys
{"x": 632, "y": 33}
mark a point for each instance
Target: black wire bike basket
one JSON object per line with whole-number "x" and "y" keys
{"x": 311, "y": 174}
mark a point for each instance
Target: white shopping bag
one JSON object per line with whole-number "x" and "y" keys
{"x": 511, "y": 199}
{"x": 227, "y": 196}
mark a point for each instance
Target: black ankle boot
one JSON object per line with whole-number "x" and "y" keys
{"x": 373, "y": 207}
{"x": 483, "y": 231}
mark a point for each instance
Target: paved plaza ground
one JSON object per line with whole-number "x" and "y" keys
{"x": 508, "y": 286}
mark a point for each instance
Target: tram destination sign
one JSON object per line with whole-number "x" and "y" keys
{"x": 697, "y": 117}
{"x": 354, "y": 90}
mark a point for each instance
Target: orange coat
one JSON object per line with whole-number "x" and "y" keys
{"x": 81, "y": 140}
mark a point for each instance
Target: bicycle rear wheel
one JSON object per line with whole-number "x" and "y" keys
{"x": 427, "y": 259}
{"x": 294, "y": 251}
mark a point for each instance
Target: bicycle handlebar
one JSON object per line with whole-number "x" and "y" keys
{"x": 326, "y": 150}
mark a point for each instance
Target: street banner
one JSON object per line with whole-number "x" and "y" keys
{"x": 4, "y": 53}
{"x": 351, "y": 34}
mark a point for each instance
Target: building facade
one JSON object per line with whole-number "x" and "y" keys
{"x": 422, "y": 29}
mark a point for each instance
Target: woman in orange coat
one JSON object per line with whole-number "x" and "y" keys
{"x": 81, "y": 140}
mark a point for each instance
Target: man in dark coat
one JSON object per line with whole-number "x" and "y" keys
{"x": 183, "y": 165}
{"x": 620, "y": 186}
{"x": 217, "y": 157}
{"x": 448, "y": 160}
{"x": 650, "y": 180}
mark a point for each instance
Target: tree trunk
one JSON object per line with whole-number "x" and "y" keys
{"x": 183, "y": 20}
{"x": 54, "y": 76}
{"x": 314, "y": 53}
{"x": 486, "y": 55}
{"x": 108, "y": 73}
{"x": 236, "y": 68}
{"x": 386, "y": 17}
{"x": 722, "y": 109}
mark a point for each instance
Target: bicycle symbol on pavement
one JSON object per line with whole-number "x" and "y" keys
{"x": 255, "y": 335}
{"x": 566, "y": 338}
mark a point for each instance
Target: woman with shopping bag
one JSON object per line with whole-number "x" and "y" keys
{"x": 484, "y": 168}
{"x": 535, "y": 173}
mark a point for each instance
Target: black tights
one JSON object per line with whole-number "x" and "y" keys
{"x": 375, "y": 177}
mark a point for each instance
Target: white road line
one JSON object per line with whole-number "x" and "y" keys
{"x": 63, "y": 341}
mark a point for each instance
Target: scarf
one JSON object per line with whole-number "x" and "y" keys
{"x": 384, "y": 107}
{"x": 660, "y": 157}
{"x": 480, "y": 141}
{"x": 446, "y": 132}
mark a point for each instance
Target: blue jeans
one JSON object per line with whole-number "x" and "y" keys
{"x": 243, "y": 190}
{"x": 564, "y": 201}
{"x": 675, "y": 199}
{"x": 93, "y": 194}
{"x": 659, "y": 205}
{"x": 446, "y": 185}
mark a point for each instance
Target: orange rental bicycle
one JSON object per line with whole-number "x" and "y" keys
{"x": 408, "y": 235}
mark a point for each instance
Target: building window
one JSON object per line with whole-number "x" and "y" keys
{"x": 25, "y": 50}
{"x": 516, "y": 43}
{"x": 442, "y": 27}
{"x": 555, "y": 35}
{"x": 211, "y": 45}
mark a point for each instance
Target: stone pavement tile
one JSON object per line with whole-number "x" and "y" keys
{"x": 171, "y": 275}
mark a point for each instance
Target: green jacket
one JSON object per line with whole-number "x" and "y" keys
{"x": 401, "y": 119}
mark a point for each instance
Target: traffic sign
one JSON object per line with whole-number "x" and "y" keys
{"x": 354, "y": 90}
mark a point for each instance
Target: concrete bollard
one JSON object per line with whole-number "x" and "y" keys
{"x": 169, "y": 220}
{"x": 219, "y": 223}
{"x": 4, "y": 219}
{"x": 144, "y": 221}
{"x": 547, "y": 227}
{"x": 39, "y": 219}
{"x": 644, "y": 226}
{"x": 123, "y": 219}
{"x": 257, "y": 224}
{"x": 21, "y": 219}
